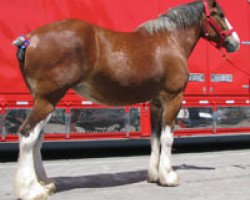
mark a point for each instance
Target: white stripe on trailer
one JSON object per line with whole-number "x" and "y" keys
{"x": 86, "y": 102}
{"x": 22, "y": 103}
{"x": 203, "y": 102}
{"x": 230, "y": 101}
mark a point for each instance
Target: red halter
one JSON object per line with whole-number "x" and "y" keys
{"x": 210, "y": 21}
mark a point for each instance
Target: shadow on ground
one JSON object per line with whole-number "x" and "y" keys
{"x": 111, "y": 179}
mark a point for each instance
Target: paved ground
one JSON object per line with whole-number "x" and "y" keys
{"x": 211, "y": 176}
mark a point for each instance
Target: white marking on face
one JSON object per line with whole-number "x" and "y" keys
{"x": 234, "y": 35}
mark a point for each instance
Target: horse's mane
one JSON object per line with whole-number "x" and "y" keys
{"x": 179, "y": 17}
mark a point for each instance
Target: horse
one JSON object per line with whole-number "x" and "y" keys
{"x": 115, "y": 69}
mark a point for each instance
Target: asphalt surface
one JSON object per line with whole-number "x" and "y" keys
{"x": 210, "y": 175}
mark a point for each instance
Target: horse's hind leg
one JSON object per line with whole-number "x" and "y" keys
{"x": 27, "y": 183}
{"x": 167, "y": 176}
{"x": 155, "y": 115}
{"x": 39, "y": 168}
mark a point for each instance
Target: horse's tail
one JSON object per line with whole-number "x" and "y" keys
{"x": 22, "y": 43}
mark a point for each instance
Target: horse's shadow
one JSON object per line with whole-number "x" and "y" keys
{"x": 111, "y": 179}
{"x": 100, "y": 180}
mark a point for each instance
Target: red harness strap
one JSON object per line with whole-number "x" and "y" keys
{"x": 211, "y": 22}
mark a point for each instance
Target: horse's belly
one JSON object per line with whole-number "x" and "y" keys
{"x": 84, "y": 90}
{"x": 114, "y": 96}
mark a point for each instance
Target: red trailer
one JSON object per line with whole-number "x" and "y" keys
{"x": 216, "y": 100}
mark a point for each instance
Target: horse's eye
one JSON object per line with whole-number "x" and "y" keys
{"x": 222, "y": 15}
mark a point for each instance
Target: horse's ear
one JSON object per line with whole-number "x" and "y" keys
{"x": 212, "y": 3}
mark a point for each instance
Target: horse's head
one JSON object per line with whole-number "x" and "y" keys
{"x": 217, "y": 28}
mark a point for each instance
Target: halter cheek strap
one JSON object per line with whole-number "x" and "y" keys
{"x": 211, "y": 22}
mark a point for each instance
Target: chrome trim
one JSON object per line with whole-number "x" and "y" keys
{"x": 245, "y": 42}
{"x": 216, "y": 78}
{"x": 197, "y": 77}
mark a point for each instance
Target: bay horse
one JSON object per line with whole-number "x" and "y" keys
{"x": 117, "y": 69}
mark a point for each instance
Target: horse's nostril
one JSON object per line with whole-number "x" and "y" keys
{"x": 230, "y": 47}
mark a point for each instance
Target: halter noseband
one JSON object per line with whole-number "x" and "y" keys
{"x": 210, "y": 21}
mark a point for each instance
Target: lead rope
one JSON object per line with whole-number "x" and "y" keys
{"x": 223, "y": 54}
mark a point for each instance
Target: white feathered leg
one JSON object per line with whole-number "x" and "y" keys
{"x": 39, "y": 168}
{"x": 27, "y": 185}
{"x": 153, "y": 172}
{"x": 167, "y": 175}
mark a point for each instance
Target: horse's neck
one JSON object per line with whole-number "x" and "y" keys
{"x": 187, "y": 39}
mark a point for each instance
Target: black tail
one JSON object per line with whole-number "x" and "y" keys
{"x": 21, "y": 44}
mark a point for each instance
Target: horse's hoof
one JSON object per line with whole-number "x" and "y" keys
{"x": 171, "y": 180}
{"x": 36, "y": 191}
{"x": 42, "y": 194}
{"x": 51, "y": 188}
{"x": 153, "y": 179}
{"x": 49, "y": 185}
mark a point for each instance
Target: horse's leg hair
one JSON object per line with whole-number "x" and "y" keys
{"x": 155, "y": 116}
{"x": 167, "y": 175}
{"x": 27, "y": 184}
{"x": 39, "y": 168}
{"x": 153, "y": 171}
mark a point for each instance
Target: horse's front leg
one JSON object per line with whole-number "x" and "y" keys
{"x": 167, "y": 175}
{"x": 155, "y": 116}
{"x": 27, "y": 183}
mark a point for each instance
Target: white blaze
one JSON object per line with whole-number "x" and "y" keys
{"x": 235, "y": 36}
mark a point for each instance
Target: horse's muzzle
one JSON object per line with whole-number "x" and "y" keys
{"x": 232, "y": 43}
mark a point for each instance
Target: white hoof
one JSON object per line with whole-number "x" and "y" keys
{"x": 170, "y": 180}
{"x": 36, "y": 192}
{"x": 51, "y": 188}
